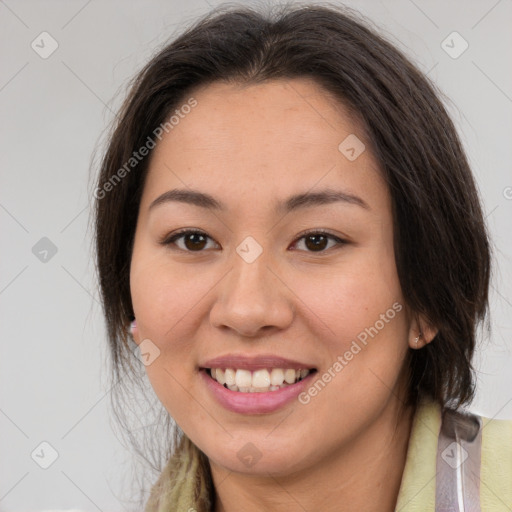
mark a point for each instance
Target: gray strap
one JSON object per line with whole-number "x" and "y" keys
{"x": 458, "y": 462}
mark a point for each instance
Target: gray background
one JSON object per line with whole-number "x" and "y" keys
{"x": 54, "y": 383}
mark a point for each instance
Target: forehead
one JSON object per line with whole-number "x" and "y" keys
{"x": 277, "y": 137}
{"x": 278, "y": 114}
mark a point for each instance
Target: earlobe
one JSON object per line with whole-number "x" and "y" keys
{"x": 133, "y": 330}
{"x": 421, "y": 333}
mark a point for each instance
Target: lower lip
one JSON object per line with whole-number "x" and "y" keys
{"x": 254, "y": 403}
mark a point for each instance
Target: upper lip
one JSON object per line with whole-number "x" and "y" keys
{"x": 253, "y": 363}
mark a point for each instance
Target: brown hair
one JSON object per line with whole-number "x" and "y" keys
{"x": 441, "y": 243}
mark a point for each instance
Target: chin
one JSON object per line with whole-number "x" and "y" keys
{"x": 260, "y": 457}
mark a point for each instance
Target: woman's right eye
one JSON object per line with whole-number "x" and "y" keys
{"x": 192, "y": 240}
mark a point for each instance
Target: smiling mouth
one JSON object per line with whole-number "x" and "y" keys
{"x": 258, "y": 381}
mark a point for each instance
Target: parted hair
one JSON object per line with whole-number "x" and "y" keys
{"x": 441, "y": 243}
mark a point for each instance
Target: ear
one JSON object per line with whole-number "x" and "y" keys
{"x": 134, "y": 331}
{"x": 421, "y": 332}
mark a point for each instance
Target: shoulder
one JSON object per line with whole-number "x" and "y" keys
{"x": 457, "y": 459}
{"x": 496, "y": 464}
{"x": 475, "y": 452}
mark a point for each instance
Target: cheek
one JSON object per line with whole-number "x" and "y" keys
{"x": 167, "y": 303}
{"x": 162, "y": 293}
{"x": 352, "y": 298}
{"x": 360, "y": 319}
{"x": 161, "y": 301}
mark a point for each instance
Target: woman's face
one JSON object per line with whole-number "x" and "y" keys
{"x": 258, "y": 294}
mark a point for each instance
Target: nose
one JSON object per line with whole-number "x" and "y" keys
{"x": 253, "y": 298}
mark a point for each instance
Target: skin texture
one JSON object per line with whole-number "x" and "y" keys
{"x": 250, "y": 147}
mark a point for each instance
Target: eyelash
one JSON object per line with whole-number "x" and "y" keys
{"x": 169, "y": 240}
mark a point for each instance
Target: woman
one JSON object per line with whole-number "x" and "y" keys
{"x": 288, "y": 229}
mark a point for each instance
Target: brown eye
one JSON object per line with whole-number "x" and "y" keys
{"x": 318, "y": 241}
{"x": 192, "y": 241}
{"x": 196, "y": 241}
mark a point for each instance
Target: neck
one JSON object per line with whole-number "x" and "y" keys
{"x": 363, "y": 476}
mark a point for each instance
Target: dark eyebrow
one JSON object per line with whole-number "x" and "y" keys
{"x": 322, "y": 197}
{"x": 294, "y": 202}
{"x": 190, "y": 197}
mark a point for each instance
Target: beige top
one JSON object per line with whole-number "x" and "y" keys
{"x": 418, "y": 488}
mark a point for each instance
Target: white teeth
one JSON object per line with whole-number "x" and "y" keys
{"x": 243, "y": 378}
{"x": 289, "y": 376}
{"x": 277, "y": 377}
{"x": 221, "y": 379}
{"x": 229, "y": 376}
{"x": 258, "y": 381}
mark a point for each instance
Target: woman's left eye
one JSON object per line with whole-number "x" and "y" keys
{"x": 196, "y": 241}
{"x": 318, "y": 240}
